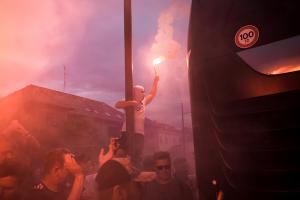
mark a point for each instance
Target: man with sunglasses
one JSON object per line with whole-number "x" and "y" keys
{"x": 165, "y": 187}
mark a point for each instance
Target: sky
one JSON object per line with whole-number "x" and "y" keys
{"x": 38, "y": 38}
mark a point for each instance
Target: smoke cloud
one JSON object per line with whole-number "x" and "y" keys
{"x": 37, "y": 38}
{"x": 165, "y": 44}
{"x": 34, "y": 36}
{"x": 170, "y": 42}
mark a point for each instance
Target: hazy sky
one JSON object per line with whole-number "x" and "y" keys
{"x": 37, "y": 38}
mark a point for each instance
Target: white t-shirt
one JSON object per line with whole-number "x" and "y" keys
{"x": 139, "y": 118}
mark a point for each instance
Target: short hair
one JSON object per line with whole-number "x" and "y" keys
{"x": 112, "y": 173}
{"x": 162, "y": 155}
{"x": 55, "y": 158}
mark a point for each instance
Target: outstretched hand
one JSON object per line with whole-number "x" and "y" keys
{"x": 104, "y": 157}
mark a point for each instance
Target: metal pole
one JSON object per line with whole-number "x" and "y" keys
{"x": 128, "y": 71}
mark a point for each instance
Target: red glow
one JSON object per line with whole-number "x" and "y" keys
{"x": 286, "y": 69}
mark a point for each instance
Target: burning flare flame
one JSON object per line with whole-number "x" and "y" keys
{"x": 158, "y": 60}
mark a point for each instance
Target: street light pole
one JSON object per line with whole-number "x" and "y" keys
{"x": 128, "y": 71}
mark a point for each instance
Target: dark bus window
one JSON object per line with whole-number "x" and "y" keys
{"x": 275, "y": 58}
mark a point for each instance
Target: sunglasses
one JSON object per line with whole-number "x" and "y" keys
{"x": 161, "y": 167}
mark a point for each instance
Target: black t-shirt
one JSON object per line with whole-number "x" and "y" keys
{"x": 174, "y": 190}
{"x": 41, "y": 192}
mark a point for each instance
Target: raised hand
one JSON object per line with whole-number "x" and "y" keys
{"x": 104, "y": 157}
{"x": 113, "y": 144}
{"x": 71, "y": 165}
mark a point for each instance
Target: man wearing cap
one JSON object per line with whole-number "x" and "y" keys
{"x": 114, "y": 183}
{"x": 139, "y": 102}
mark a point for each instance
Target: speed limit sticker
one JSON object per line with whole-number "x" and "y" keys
{"x": 246, "y": 36}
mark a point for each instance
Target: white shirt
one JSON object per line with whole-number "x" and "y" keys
{"x": 139, "y": 118}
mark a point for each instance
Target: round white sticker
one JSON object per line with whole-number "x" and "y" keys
{"x": 246, "y": 36}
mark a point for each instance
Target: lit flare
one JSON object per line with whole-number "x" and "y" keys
{"x": 158, "y": 60}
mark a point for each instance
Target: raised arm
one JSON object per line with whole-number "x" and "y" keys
{"x": 75, "y": 169}
{"x": 153, "y": 90}
{"x": 104, "y": 157}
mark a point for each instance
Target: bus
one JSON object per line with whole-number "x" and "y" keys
{"x": 244, "y": 79}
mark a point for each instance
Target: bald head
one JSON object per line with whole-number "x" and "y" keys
{"x": 138, "y": 93}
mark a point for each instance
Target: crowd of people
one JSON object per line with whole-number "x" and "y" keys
{"x": 63, "y": 176}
